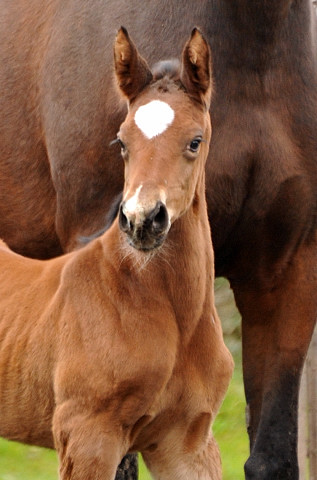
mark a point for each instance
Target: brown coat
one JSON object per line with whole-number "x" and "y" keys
{"x": 116, "y": 348}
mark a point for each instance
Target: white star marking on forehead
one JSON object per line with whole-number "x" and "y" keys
{"x": 154, "y": 118}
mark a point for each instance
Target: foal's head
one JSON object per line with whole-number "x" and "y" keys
{"x": 164, "y": 139}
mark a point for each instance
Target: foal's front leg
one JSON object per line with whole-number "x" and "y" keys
{"x": 89, "y": 446}
{"x": 173, "y": 460}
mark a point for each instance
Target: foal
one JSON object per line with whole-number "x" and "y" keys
{"x": 118, "y": 347}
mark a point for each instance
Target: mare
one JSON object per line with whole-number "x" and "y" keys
{"x": 58, "y": 174}
{"x": 117, "y": 347}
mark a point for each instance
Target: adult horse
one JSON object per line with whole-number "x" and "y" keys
{"x": 59, "y": 113}
{"x": 101, "y": 353}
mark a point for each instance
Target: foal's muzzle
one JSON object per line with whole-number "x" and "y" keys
{"x": 145, "y": 231}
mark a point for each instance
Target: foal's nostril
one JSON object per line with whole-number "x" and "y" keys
{"x": 159, "y": 217}
{"x": 150, "y": 229}
{"x": 124, "y": 222}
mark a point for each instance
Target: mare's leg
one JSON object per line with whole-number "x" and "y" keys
{"x": 89, "y": 446}
{"x": 172, "y": 460}
{"x": 277, "y": 326}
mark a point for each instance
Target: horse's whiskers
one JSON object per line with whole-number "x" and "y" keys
{"x": 140, "y": 260}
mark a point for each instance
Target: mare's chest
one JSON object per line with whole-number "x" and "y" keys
{"x": 260, "y": 187}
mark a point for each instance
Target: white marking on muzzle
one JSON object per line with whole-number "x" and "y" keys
{"x": 154, "y": 118}
{"x": 131, "y": 204}
{"x": 136, "y": 209}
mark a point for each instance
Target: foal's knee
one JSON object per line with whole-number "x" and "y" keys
{"x": 176, "y": 462}
{"x": 88, "y": 447}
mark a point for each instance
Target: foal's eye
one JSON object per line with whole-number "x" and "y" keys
{"x": 122, "y": 145}
{"x": 195, "y": 144}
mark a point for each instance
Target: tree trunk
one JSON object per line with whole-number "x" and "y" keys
{"x": 302, "y": 428}
{"x": 307, "y": 415}
{"x": 311, "y": 369}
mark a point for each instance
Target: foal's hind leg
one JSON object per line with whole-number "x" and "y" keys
{"x": 277, "y": 326}
{"x": 173, "y": 461}
{"x": 89, "y": 447}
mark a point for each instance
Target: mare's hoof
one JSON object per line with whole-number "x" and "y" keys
{"x": 262, "y": 467}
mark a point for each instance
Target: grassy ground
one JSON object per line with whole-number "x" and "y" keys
{"x": 230, "y": 431}
{"x": 20, "y": 462}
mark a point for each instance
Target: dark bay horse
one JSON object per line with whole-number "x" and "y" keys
{"x": 101, "y": 352}
{"x": 58, "y": 174}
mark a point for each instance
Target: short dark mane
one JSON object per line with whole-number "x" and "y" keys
{"x": 167, "y": 73}
{"x": 166, "y": 68}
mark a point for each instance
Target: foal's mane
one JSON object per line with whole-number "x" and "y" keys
{"x": 166, "y": 68}
{"x": 165, "y": 73}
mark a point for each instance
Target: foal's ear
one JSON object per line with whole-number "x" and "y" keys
{"x": 132, "y": 71}
{"x": 196, "y": 69}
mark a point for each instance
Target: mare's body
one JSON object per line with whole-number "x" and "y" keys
{"x": 59, "y": 111}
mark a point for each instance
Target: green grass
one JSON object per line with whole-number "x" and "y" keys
{"x": 21, "y": 462}
{"x": 230, "y": 430}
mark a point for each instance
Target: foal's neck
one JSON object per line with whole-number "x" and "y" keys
{"x": 180, "y": 274}
{"x": 188, "y": 241}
